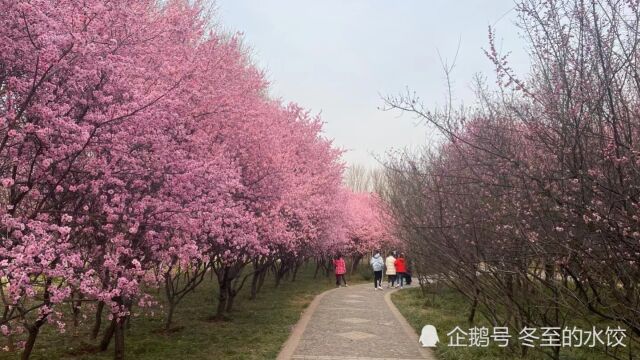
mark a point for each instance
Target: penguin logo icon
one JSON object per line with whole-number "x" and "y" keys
{"x": 429, "y": 336}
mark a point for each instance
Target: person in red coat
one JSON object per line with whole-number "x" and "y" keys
{"x": 401, "y": 269}
{"x": 341, "y": 269}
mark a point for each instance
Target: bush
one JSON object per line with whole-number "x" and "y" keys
{"x": 365, "y": 272}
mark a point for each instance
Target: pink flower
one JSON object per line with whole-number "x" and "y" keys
{"x": 7, "y": 182}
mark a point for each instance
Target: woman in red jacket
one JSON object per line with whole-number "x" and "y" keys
{"x": 401, "y": 269}
{"x": 341, "y": 269}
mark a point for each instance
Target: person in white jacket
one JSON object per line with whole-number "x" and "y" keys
{"x": 391, "y": 269}
{"x": 377, "y": 263}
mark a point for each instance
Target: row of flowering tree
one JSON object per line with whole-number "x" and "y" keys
{"x": 139, "y": 149}
{"x": 529, "y": 205}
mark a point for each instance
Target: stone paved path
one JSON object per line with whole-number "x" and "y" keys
{"x": 355, "y": 323}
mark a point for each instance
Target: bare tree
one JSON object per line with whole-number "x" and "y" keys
{"x": 529, "y": 207}
{"x": 358, "y": 178}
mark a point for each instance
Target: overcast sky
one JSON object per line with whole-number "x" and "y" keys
{"x": 338, "y": 57}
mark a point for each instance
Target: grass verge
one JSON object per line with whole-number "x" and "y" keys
{"x": 446, "y": 309}
{"x": 257, "y": 329}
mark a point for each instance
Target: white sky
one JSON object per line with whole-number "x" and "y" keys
{"x": 338, "y": 57}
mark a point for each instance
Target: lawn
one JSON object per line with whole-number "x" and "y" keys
{"x": 447, "y": 309}
{"x": 257, "y": 329}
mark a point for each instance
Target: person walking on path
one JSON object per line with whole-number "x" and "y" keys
{"x": 378, "y": 266}
{"x": 407, "y": 273}
{"x": 341, "y": 269}
{"x": 351, "y": 323}
{"x": 390, "y": 262}
{"x": 401, "y": 270}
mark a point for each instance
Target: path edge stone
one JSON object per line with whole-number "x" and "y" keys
{"x": 289, "y": 347}
{"x": 408, "y": 329}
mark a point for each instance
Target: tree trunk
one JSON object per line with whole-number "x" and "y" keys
{"x": 31, "y": 340}
{"x": 231, "y": 296}
{"x": 169, "y": 293}
{"x": 119, "y": 334}
{"x": 474, "y": 306}
{"x": 254, "y": 285}
{"x": 223, "y": 292}
{"x": 327, "y": 268}
{"x": 295, "y": 271}
{"x": 315, "y": 273}
{"x": 169, "y": 320}
{"x": 262, "y": 277}
{"x": 108, "y": 334}
{"x": 278, "y": 278}
{"x": 280, "y": 272}
{"x": 356, "y": 262}
{"x": 98, "y": 321}
{"x": 259, "y": 270}
{"x": 75, "y": 310}
{"x": 236, "y": 282}
{"x": 5, "y": 315}
{"x": 222, "y": 304}
{"x": 35, "y": 328}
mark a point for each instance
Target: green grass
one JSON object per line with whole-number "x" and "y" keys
{"x": 257, "y": 329}
{"x": 446, "y": 309}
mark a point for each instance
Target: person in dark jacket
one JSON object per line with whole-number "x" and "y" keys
{"x": 407, "y": 274}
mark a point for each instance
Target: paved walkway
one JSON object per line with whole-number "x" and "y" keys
{"x": 354, "y": 323}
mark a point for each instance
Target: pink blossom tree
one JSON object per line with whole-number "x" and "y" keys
{"x": 367, "y": 228}
{"x": 138, "y": 149}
